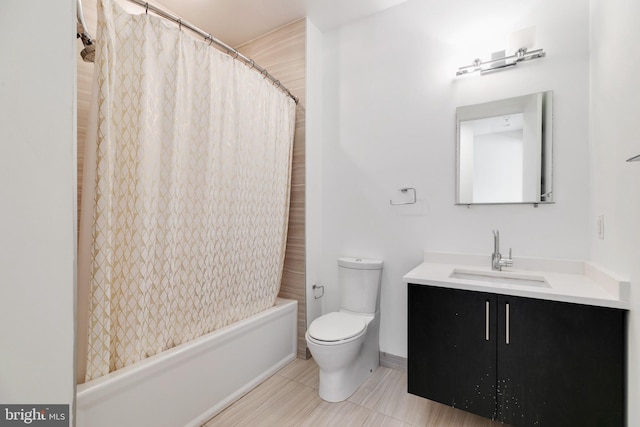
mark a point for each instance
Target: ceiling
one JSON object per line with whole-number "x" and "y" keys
{"x": 238, "y": 21}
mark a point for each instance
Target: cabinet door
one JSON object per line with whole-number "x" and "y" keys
{"x": 452, "y": 347}
{"x": 559, "y": 364}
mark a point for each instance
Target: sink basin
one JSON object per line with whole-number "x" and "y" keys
{"x": 500, "y": 277}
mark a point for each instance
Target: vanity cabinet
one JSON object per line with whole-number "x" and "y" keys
{"x": 522, "y": 361}
{"x": 450, "y": 359}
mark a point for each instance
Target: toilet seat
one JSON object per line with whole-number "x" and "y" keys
{"x": 337, "y": 326}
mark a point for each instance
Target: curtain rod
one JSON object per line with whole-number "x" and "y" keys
{"x": 207, "y": 37}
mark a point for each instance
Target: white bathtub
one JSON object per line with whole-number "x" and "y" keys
{"x": 190, "y": 383}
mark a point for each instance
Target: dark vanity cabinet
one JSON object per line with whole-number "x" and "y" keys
{"x": 522, "y": 361}
{"x": 450, "y": 360}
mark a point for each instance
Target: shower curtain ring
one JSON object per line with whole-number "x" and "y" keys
{"x": 180, "y": 24}
{"x": 146, "y": 8}
{"x": 210, "y": 37}
{"x": 235, "y": 53}
{"x": 253, "y": 64}
{"x": 264, "y": 73}
{"x": 277, "y": 83}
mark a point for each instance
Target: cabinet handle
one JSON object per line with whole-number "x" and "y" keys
{"x": 507, "y": 324}
{"x": 486, "y": 321}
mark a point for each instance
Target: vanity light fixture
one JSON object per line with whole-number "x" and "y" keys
{"x": 500, "y": 63}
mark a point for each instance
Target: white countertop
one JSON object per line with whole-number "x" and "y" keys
{"x": 573, "y": 281}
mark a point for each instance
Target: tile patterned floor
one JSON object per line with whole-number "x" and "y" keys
{"x": 290, "y": 398}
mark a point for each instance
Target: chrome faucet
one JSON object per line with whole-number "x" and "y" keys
{"x": 497, "y": 262}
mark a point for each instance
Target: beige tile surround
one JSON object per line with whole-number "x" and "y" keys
{"x": 290, "y": 398}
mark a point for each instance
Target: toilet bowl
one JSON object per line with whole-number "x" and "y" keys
{"x": 345, "y": 363}
{"x": 344, "y": 344}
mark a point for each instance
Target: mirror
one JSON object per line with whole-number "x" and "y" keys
{"x": 504, "y": 151}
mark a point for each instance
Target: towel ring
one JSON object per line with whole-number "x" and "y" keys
{"x": 405, "y": 190}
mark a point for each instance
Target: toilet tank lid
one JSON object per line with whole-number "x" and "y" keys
{"x": 360, "y": 263}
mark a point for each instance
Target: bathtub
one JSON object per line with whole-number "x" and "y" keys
{"x": 190, "y": 383}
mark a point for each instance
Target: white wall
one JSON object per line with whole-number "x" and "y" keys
{"x": 614, "y": 113}
{"x": 313, "y": 169}
{"x": 37, "y": 193}
{"x": 388, "y": 114}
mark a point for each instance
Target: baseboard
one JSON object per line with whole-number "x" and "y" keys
{"x": 392, "y": 361}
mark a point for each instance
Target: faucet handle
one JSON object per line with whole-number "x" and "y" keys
{"x": 507, "y": 262}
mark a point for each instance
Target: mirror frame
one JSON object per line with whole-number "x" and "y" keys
{"x": 505, "y": 107}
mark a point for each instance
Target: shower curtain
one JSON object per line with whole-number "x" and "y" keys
{"x": 186, "y": 223}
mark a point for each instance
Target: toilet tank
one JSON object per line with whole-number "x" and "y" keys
{"x": 359, "y": 284}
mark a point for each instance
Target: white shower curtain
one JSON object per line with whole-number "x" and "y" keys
{"x": 187, "y": 223}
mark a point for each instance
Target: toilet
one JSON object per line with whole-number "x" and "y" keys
{"x": 344, "y": 344}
